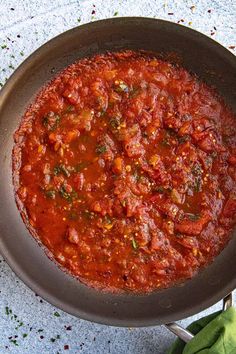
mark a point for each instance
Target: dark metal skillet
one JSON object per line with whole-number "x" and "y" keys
{"x": 199, "y": 54}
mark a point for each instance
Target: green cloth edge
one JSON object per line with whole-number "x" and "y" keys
{"x": 214, "y": 334}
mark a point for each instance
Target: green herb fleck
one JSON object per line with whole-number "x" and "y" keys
{"x": 197, "y": 172}
{"x": 193, "y": 217}
{"x": 54, "y": 339}
{"x": 24, "y": 335}
{"x": 40, "y": 330}
{"x": 14, "y": 341}
{"x": 56, "y": 314}
{"x": 134, "y": 244}
{"x": 79, "y": 20}
{"x": 196, "y": 169}
{"x": 101, "y": 149}
{"x": 73, "y": 215}
{"x": 137, "y": 174}
{"x": 22, "y": 53}
{"x": 115, "y": 13}
{"x": 66, "y": 195}
{"x": 51, "y": 194}
{"x": 8, "y": 311}
{"x": 51, "y": 121}
{"x": 61, "y": 169}
{"x": 114, "y": 122}
{"x": 160, "y": 190}
{"x": 69, "y": 108}
{"x": 198, "y": 184}
{"x": 3, "y": 46}
{"x": 19, "y": 325}
{"x": 183, "y": 139}
{"x": 165, "y": 142}
{"x": 81, "y": 166}
{"x": 135, "y": 91}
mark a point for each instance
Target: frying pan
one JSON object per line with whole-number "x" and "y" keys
{"x": 198, "y": 54}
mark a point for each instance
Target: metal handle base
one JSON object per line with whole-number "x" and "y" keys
{"x": 186, "y": 335}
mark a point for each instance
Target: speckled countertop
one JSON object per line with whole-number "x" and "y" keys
{"x": 29, "y": 325}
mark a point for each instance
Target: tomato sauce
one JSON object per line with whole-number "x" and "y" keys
{"x": 124, "y": 168}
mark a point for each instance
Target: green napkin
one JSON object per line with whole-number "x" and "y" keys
{"x": 214, "y": 334}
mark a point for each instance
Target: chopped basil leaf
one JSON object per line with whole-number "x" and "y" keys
{"x": 135, "y": 91}
{"x": 183, "y": 139}
{"x": 198, "y": 184}
{"x": 137, "y": 173}
{"x": 160, "y": 190}
{"x": 114, "y": 122}
{"x": 193, "y": 217}
{"x": 197, "y": 172}
{"x": 51, "y": 121}
{"x": 66, "y": 195}
{"x": 165, "y": 142}
{"x": 50, "y": 194}
{"x": 134, "y": 244}
{"x": 61, "y": 169}
{"x": 196, "y": 169}
{"x": 100, "y": 149}
{"x": 73, "y": 215}
{"x": 69, "y": 108}
{"x": 81, "y": 166}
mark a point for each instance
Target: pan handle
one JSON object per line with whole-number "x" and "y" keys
{"x": 186, "y": 335}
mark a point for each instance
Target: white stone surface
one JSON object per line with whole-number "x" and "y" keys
{"x": 24, "y": 26}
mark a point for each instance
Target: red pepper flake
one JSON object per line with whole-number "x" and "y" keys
{"x": 68, "y": 328}
{"x": 231, "y": 47}
{"x": 93, "y": 12}
{"x": 170, "y": 13}
{"x": 209, "y": 11}
{"x": 66, "y": 347}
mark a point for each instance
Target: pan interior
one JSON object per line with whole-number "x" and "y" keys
{"x": 198, "y": 54}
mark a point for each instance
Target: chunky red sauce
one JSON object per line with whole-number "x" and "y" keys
{"x": 124, "y": 168}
